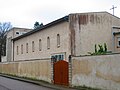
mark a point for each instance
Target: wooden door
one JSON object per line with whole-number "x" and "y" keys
{"x": 61, "y": 73}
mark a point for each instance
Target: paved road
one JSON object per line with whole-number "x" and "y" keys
{"x": 10, "y": 84}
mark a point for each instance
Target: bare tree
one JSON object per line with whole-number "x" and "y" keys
{"x": 4, "y": 27}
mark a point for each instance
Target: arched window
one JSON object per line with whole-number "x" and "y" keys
{"x": 21, "y": 49}
{"x": 58, "y": 40}
{"x": 17, "y": 50}
{"x": 33, "y": 46}
{"x": 26, "y": 47}
{"x": 48, "y": 42}
{"x": 40, "y": 45}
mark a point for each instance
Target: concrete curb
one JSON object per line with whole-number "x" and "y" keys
{"x": 47, "y": 85}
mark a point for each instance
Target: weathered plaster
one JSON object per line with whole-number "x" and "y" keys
{"x": 88, "y": 29}
{"x": 39, "y": 69}
{"x": 97, "y": 71}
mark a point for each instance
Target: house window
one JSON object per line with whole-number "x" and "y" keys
{"x": 118, "y": 40}
{"x": 21, "y": 49}
{"x": 26, "y": 47}
{"x": 58, "y": 40}
{"x": 119, "y": 43}
{"x": 58, "y": 57}
{"x": 48, "y": 43}
{"x": 40, "y": 45}
{"x": 17, "y": 32}
{"x": 17, "y": 50}
{"x": 33, "y": 46}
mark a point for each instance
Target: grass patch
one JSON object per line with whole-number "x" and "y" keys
{"x": 85, "y": 88}
{"x": 34, "y": 79}
{"x": 24, "y": 77}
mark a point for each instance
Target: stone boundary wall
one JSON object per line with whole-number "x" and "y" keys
{"x": 101, "y": 71}
{"x": 36, "y": 69}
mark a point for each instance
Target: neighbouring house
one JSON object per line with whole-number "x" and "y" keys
{"x": 75, "y": 34}
{"x": 12, "y": 33}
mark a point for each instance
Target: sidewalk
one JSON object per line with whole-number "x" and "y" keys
{"x": 41, "y": 83}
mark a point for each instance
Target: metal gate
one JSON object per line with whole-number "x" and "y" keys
{"x": 61, "y": 73}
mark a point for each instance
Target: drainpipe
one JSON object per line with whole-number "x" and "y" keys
{"x": 70, "y": 70}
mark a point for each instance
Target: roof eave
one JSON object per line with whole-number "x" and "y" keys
{"x": 65, "y": 18}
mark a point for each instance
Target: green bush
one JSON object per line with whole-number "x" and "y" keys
{"x": 101, "y": 50}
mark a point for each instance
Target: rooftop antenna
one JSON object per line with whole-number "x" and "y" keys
{"x": 113, "y": 7}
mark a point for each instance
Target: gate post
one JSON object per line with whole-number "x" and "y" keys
{"x": 52, "y": 71}
{"x": 70, "y": 70}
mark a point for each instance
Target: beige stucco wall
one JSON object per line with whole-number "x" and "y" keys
{"x": 97, "y": 71}
{"x": 89, "y": 29}
{"x": 62, "y": 29}
{"x": 38, "y": 69}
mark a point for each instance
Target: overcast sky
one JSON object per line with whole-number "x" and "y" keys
{"x": 24, "y": 13}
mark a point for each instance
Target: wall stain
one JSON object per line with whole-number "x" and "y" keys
{"x": 83, "y": 19}
{"x": 94, "y": 19}
{"x": 82, "y": 67}
{"x": 72, "y": 19}
{"x": 108, "y": 77}
{"x": 75, "y": 21}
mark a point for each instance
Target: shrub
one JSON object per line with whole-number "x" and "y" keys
{"x": 101, "y": 50}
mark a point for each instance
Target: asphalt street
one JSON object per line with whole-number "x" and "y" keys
{"x": 11, "y": 84}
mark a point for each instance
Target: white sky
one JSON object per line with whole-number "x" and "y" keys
{"x": 24, "y": 13}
